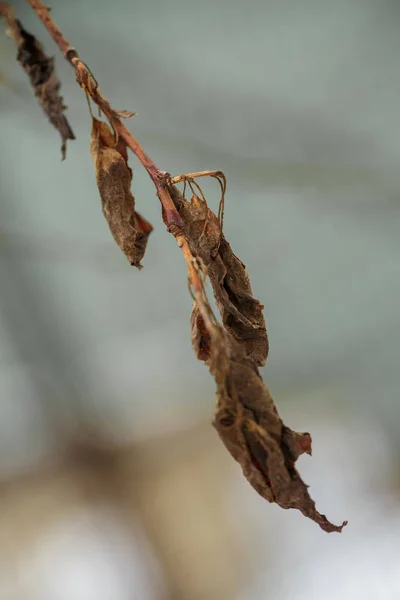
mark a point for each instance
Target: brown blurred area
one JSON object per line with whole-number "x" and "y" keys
{"x": 165, "y": 496}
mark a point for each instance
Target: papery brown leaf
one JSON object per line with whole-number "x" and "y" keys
{"x": 201, "y": 339}
{"x": 241, "y": 313}
{"x": 129, "y": 229}
{"x": 40, "y": 69}
{"x": 123, "y": 114}
{"x": 249, "y": 425}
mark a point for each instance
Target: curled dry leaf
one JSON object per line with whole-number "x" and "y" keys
{"x": 129, "y": 229}
{"x": 246, "y": 418}
{"x": 40, "y": 69}
{"x": 241, "y": 313}
{"x": 248, "y": 422}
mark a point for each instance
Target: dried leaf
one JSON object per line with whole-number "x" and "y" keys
{"x": 241, "y": 313}
{"x": 201, "y": 339}
{"x": 129, "y": 229}
{"x": 40, "y": 69}
{"x": 248, "y": 422}
{"x": 123, "y": 114}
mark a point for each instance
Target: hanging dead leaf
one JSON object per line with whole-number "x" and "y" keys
{"x": 129, "y": 229}
{"x": 40, "y": 69}
{"x": 248, "y": 422}
{"x": 241, "y": 313}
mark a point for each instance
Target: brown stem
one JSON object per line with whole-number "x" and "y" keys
{"x": 86, "y": 80}
{"x": 196, "y": 284}
{"x": 7, "y": 13}
{"x": 43, "y": 12}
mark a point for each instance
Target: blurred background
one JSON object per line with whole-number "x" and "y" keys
{"x": 113, "y": 484}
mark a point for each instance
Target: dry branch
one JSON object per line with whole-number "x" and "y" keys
{"x": 246, "y": 418}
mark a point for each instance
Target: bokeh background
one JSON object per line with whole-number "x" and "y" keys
{"x": 113, "y": 484}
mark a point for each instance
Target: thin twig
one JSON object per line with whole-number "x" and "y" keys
{"x": 7, "y": 13}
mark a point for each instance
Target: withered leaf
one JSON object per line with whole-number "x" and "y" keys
{"x": 241, "y": 313}
{"x": 129, "y": 229}
{"x": 249, "y": 425}
{"x": 40, "y": 69}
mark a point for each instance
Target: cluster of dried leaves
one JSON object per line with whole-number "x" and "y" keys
{"x": 246, "y": 418}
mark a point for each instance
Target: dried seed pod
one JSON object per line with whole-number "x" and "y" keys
{"x": 129, "y": 229}
{"x": 248, "y": 422}
{"x": 241, "y": 313}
